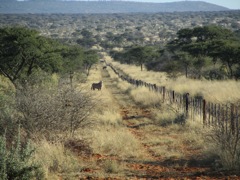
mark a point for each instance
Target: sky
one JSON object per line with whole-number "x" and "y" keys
{"x": 231, "y": 4}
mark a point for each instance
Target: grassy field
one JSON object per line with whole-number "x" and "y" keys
{"x": 132, "y": 135}
{"x": 215, "y": 91}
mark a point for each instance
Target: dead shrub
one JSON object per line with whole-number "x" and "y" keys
{"x": 226, "y": 145}
{"x": 50, "y": 112}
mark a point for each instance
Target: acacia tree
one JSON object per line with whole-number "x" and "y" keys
{"x": 73, "y": 57}
{"x": 228, "y": 52}
{"x": 90, "y": 58}
{"x": 185, "y": 60}
{"x": 141, "y": 55}
{"x": 23, "y": 51}
{"x": 208, "y": 41}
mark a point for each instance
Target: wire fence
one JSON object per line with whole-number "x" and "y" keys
{"x": 224, "y": 116}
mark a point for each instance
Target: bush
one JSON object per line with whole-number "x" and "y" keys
{"x": 227, "y": 147}
{"x": 15, "y": 162}
{"x": 8, "y": 111}
{"x": 50, "y": 112}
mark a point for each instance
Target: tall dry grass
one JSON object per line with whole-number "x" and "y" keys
{"x": 56, "y": 161}
{"x": 109, "y": 136}
{"x": 215, "y": 91}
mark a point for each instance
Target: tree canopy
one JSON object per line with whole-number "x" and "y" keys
{"x": 23, "y": 51}
{"x": 213, "y": 42}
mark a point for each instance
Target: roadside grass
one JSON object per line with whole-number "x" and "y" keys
{"x": 173, "y": 136}
{"x": 113, "y": 166}
{"x": 108, "y": 136}
{"x": 55, "y": 159}
{"x": 178, "y": 141}
{"x": 116, "y": 142}
{"x": 215, "y": 91}
{"x": 110, "y": 139}
{"x": 143, "y": 96}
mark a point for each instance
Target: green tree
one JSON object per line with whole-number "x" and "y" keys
{"x": 185, "y": 60}
{"x": 73, "y": 57}
{"x": 228, "y": 51}
{"x": 208, "y": 41}
{"x": 72, "y": 60}
{"x": 90, "y": 58}
{"x": 141, "y": 55}
{"x": 22, "y": 51}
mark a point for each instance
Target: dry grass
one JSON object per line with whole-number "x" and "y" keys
{"x": 109, "y": 136}
{"x": 116, "y": 142}
{"x": 55, "y": 159}
{"x": 214, "y": 91}
{"x": 145, "y": 97}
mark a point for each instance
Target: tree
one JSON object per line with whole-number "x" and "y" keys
{"x": 22, "y": 51}
{"x": 141, "y": 55}
{"x": 208, "y": 41}
{"x": 73, "y": 57}
{"x": 184, "y": 59}
{"x": 228, "y": 51}
{"x": 90, "y": 58}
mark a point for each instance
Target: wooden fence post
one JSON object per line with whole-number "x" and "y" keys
{"x": 223, "y": 119}
{"x": 209, "y": 113}
{"x": 219, "y": 114}
{"x": 215, "y": 114}
{"x": 237, "y": 121}
{"x": 173, "y": 96}
{"x": 187, "y": 103}
{"x": 226, "y": 119}
{"x": 232, "y": 119}
{"x": 163, "y": 91}
{"x": 204, "y": 112}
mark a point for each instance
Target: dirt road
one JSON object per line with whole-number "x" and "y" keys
{"x": 168, "y": 153}
{"x": 183, "y": 161}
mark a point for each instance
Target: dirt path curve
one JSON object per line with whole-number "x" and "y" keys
{"x": 168, "y": 156}
{"x": 155, "y": 165}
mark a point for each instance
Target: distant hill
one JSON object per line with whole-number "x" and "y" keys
{"x": 90, "y": 7}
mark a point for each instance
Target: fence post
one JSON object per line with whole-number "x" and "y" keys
{"x": 209, "y": 113}
{"x": 204, "y": 112}
{"x": 187, "y": 103}
{"x": 173, "y": 96}
{"x": 164, "y": 91}
{"x": 232, "y": 119}
{"x": 226, "y": 119}
{"x": 237, "y": 119}
{"x": 155, "y": 87}
{"x": 223, "y": 119}
{"x": 215, "y": 114}
{"x": 219, "y": 115}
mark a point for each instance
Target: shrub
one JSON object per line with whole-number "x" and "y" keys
{"x": 53, "y": 111}
{"x": 15, "y": 163}
{"x": 112, "y": 166}
{"x": 227, "y": 147}
{"x": 7, "y": 109}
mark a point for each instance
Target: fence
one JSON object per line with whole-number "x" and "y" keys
{"x": 224, "y": 116}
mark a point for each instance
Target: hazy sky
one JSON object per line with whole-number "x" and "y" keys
{"x": 232, "y": 4}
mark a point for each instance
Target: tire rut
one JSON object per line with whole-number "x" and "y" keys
{"x": 135, "y": 117}
{"x": 137, "y": 120}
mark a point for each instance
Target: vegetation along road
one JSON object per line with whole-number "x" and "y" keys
{"x": 140, "y": 142}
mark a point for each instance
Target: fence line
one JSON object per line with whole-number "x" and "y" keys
{"x": 217, "y": 115}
